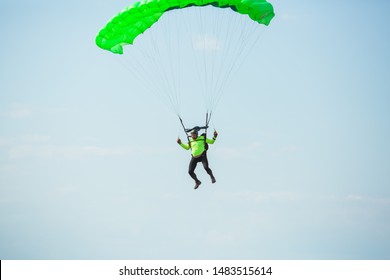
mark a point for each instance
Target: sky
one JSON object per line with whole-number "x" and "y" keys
{"x": 90, "y": 167}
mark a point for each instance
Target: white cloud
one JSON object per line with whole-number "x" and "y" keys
{"x": 251, "y": 196}
{"x": 239, "y": 152}
{"x": 354, "y": 197}
{"x": 289, "y": 149}
{"x": 368, "y": 199}
{"x": 288, "y": 17}
{"x": 206, "y": 43}
{"x": 18, "y": 111}
{"x": 41, "y": 146}
{"x": 219, "y": 237}
{"x": 253, "y": 148}
{"x": 66, "y": 152}
{"x": 25, "y": 139}
{"x": 4, "y": 141}
{"x": 46, "y": 150}
{"x": 36, "y": 138}
{"x": 288, "y": 196}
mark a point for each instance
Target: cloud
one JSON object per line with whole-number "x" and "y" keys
{"x": 66, "y": 152}
{"x": 254, "y": 148}
{"x": 354, "y": 197}
{"x": 219, "y": 237}
{"x": 291, "y": 196}
{"x": 239, "y": 152}
{"x": 25, "y": 139}
{"x": 206, "y": 43}
{"x": 367, "y": 199}
{"x": 251, "y": 196}
{"x": 18, "y": 111}
{"x": 35, "y": 145}
{"x": 5, "y": 141}
{"x": 288, "y": 17}
{"x": 289, "y": 149}
{"x": 36, "y": 138}
{"x": 39, "y": 146}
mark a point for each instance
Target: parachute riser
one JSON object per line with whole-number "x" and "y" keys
{"x": 196, "y": 128}
{"x": 184, "y": 128}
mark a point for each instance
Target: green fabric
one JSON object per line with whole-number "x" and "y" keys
{"x": 139, "y": 16}
{"x": 197, "y": 146}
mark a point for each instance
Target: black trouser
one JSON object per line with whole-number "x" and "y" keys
{"x": 194, "y": 161}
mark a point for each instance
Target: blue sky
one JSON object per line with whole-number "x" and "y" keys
{"x": 90, "y": 168}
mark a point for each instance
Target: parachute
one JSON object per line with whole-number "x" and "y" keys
{"x": 220, "y": 34}
{"x": 140, "y": 16}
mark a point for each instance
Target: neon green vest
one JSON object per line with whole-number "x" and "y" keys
{"x": 198, "y": 145}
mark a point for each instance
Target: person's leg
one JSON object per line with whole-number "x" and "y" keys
{"x": 191, "y": 171}
{"x": 205, "y": 163}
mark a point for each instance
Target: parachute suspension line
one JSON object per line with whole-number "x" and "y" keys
{"x": 233, "y": 51}
{"x": 227, "y": 41}
{"x": 218, "y": 50}
{"x": 136, "y": 65}
{"x": 160, "y": 49}
{"x": 217, "y": 24}
{"x": 147, "y": 48}
{"x": 157, "y": 65}
{"x": 136, "y": 74}
{"x": 207, "y": 51}
{"x": 192, "y": 20}
{"x": 180, "y": 59}
{"x": 203, "y": 39}
{"x": 161, "y": 76}
{"x": 133, "y": 62}
{"x": 174, "y": 56}
{"x": 215, "y": 70}
{"x": 249, "y": 35}
{"x": 198, "y": 46}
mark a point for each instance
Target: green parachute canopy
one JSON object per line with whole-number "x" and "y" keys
{"x": 139, "y": 16}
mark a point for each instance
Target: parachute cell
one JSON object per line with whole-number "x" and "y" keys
{"x": 139, "y": 16}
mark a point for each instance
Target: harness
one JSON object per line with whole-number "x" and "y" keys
{"x": 197, "y": 128}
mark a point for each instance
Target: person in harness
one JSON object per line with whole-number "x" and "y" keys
{"x": 198, "y": 146}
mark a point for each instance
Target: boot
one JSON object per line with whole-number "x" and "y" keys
{"x": 197, "y": 184}
{"x": 213, "y": 179}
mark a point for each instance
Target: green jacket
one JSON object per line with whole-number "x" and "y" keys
{"x": 198, "y": 145}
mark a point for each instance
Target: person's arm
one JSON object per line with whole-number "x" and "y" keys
{"x": 211, "y": 141}
{"x": 185, "y": 146}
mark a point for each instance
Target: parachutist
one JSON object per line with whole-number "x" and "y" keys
{"x": 199, "y": 147}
